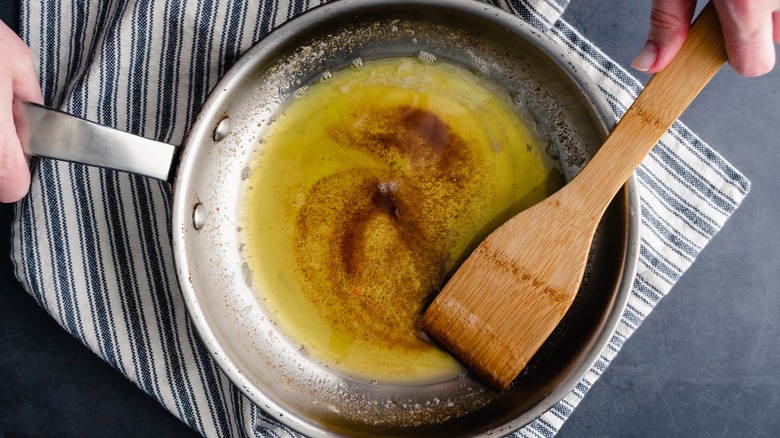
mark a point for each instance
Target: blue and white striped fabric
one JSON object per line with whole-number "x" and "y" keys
{"x": 93, "y": 246}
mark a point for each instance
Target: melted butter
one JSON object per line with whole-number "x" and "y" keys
{"x": 366, "y": 192}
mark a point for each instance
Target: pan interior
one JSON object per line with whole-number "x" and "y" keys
{"x": 217, "y": 281}
{"x": 393, "y": 172}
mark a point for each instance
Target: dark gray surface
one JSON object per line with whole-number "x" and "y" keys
{"x": 705, "y": 363}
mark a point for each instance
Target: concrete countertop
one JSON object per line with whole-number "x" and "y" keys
{"x": 704, "y": 363}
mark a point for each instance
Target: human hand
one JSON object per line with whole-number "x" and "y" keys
{"x": 17, "y": 81}
{"x": 750, "y": 29}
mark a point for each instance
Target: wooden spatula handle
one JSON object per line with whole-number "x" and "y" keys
{"x": 664, "y": 99}
{"x": 514, "y": 289}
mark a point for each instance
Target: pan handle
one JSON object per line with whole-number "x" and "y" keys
{"x": 50, "y": 133}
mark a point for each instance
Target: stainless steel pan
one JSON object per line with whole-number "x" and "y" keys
{"x": 209, "y": 183}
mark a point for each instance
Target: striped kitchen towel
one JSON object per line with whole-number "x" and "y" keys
{"x": 93, "y": 246}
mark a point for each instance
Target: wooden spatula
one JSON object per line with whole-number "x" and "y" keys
{"x": 513, "y": 290}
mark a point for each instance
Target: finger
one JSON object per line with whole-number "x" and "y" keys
{"x": 25, "y": 79}
{"x": 776, "y": 27}
{"x": 19, "y": 64}
{"x": 670, "y": 21}
{"x": 14, "y": 172}
{"x": 17, "y": 80}
{"x": 748, "y": 32}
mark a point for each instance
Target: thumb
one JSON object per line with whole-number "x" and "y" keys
{"x": 670, "y": 21}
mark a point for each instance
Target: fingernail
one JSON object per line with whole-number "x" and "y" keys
{"x": 646, "y": 57}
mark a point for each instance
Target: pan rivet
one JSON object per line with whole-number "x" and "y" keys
{"x": 198, "y": 216}
{"x": 222, "y": 129}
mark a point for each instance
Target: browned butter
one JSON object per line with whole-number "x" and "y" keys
{"x": 365, "y": 192}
